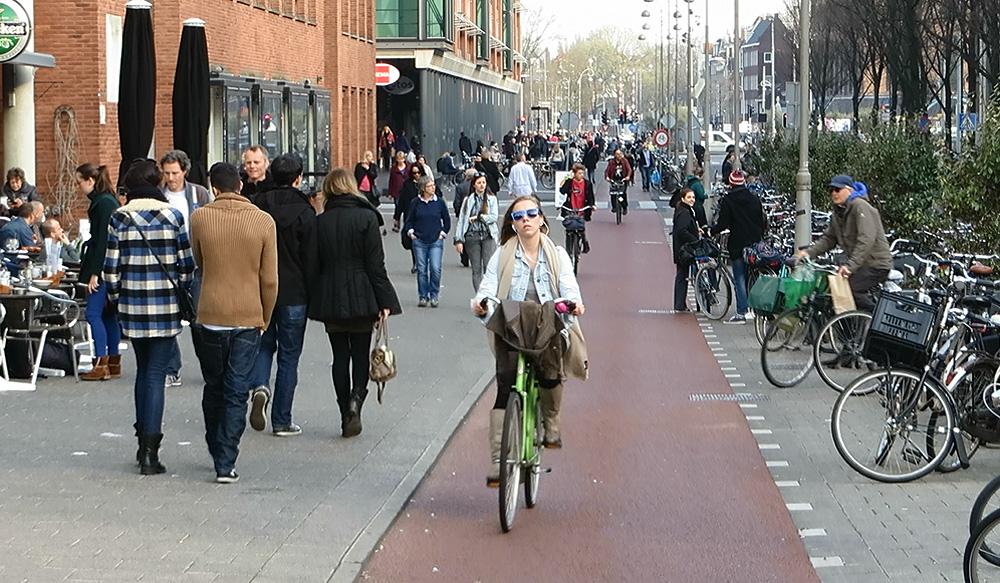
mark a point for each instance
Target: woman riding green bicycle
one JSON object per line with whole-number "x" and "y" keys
{"x": 528, "y": 267}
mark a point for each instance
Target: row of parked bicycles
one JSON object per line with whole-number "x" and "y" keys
{"x": 917, "y": 379}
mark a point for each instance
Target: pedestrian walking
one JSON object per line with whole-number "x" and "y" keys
{"x": 402, "y": 144}
{"x": 521, "y": 181}
{"x": 185, "y": 197}
{"x": 148, "y": 263}
{"x": 407, "y": 195}
{"x": 462, "y": 190}
{"x": 398, "y": 175}
{"x": 386, "y": 146}
{"x": 94, "y": 182}
{"x": 350, "y": 290}
{"x": 295, "y": 221}
{"x": 743, "y": 215}
{"x": 464, "y": 144}
{"x": 477, "y": 232}
{"x": 590, "y": 160}
{"x": 235, "y": 244}
{"x": 427, "y": 225}
{"x": 487, "y": 165}
{"x": 422, "y": 160}
{"x": 646, "y": 163}
{"x": 366, "y": 173}
{"x": 685, "y": 231}
{"x": 528, "y": 267}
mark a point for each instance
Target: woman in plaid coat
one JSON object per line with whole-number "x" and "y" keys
{"x": 145, "y": 297}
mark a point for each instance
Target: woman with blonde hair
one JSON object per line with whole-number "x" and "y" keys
{"x": 350, "y": 289}
{"x": 365, "y": 172}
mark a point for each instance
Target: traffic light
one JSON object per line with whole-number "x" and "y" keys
{"x": 604, "y": 118}
{"x": 750, "y": 111}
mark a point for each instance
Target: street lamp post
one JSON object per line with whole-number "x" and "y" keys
{"x": 689, "y": 164}
{"x": 737, "y": 82}
{"x": 677, "y": 76}
{"x": 803, "y": 180}
{"x": 774, "y": 80}
{"x": 706, "y": 178}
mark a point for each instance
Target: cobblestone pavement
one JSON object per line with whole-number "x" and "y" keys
{"x": 855, "y": 529}
{"x": 308, "y": 508}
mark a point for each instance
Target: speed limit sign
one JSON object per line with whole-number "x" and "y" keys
{"x": 661, "y": 138}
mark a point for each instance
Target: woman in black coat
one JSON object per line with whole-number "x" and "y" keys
{"x": 350, "y": 290}
{"x": 685, "y": 231}
{"x": 367, "y": 168}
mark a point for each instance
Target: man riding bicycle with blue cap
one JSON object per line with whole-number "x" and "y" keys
{"x": 855, "y": 227}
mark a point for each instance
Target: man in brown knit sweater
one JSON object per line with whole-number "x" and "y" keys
{"x": 235, "y": 247}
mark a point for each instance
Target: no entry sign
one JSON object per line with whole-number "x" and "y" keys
{"x": 661, "y": 138}
{"x": 385, "y": 74}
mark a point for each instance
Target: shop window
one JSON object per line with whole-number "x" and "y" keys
{"x": 298, "y": 125}
{"x": 397, "y": 18}
{"x": 237, "y": 129}
{"x": 321, "y": 107}
{"x": 271, "y": 121}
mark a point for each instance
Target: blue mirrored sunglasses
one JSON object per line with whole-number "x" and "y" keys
{"x": 526, "y": 213}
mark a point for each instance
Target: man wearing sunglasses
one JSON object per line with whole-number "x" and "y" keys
{"x": 855, "y": 227}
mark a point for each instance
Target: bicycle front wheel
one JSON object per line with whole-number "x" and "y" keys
{"x": 838, "y": 352}
{"x": 986, "y": 504}
{"x": 548, "y": 179}
{"x": 881, "y": 424}
{"x": 979, "y": 563}
{"x": 786, "y": 355}
{"x": 533, "y": 470}
{"x": 510, "y": 462}
{"x": 713, "y": 291}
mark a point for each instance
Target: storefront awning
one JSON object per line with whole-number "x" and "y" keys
{"x": 34, "y": 60}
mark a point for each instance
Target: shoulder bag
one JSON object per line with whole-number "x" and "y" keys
{"x": 188, "y": 309}
{"x": 382, "y": 367}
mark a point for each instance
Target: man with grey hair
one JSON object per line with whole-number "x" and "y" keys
{"x": 256, "y": 173}
{"x": 186, "y": 197}
{"x": 37, "y": 217}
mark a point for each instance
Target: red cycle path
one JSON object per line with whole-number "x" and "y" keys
{"x": 650, "y": 486}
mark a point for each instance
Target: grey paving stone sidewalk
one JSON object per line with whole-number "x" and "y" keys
{"x": 308, "y": 508}
{"x": 857, "y": 530}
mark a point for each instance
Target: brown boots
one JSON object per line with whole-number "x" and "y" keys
{"x": 551, "y": 401}
{"x": 100, "y": 372}
{"x": 105, "y": 368}
{"x": 496, "y": 434}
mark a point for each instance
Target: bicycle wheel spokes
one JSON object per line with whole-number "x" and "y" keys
{"x": 838, "y": 351}
{"x": 787, "y": 354}
{"x": 713, "y": 292}
{"x": 981, "y": 560}
{"x": 890, "y": 427}
{"x": 510, "y": 462}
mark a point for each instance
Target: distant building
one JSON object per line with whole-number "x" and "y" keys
{"x": 762, "y": 62}
{"x": 460, "y": 66}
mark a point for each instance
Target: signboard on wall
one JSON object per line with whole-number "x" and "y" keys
{"x": 385, "y": 74}
{"x": 402, "y": 86}
{"x": 15, "y": 30}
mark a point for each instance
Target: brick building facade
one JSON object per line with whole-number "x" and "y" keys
{"x": 275, "y": 63}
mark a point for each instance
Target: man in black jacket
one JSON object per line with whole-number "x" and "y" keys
{"x": 295, "y": 219}
{"x": 590, "y": 160}
{"x": 742, "y": 214}
{"x": 256, "y": 173}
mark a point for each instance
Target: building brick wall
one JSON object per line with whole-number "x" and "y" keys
{"x": 328, "y": 42}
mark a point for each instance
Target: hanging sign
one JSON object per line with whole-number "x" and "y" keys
{"x": 385, "y": 74}
{"x": 402, "y": 86}
{"x": 15, "y": 30}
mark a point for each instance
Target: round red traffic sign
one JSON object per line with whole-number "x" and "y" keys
{"x": 661, "y": 138}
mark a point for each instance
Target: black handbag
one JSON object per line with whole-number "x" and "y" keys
{"x": 703, "y": 247}
{"x": 185, "y": 301}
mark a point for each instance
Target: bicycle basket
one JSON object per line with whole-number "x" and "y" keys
{"x": 901, "y": 332}
{"x": 573, "y": 223}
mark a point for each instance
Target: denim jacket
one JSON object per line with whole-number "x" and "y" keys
{"x": 567, "y": 287}
{"x": 489, "y": 218}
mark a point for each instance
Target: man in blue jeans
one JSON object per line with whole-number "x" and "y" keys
{"x": 743, "y": 215}
{"x": 295, "y": 220}
{"x": 235, "y": 246}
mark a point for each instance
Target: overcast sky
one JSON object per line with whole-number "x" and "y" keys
{"x": 578, "y": 17}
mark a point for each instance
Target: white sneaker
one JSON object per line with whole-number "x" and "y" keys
{"x": 749, "y": 315}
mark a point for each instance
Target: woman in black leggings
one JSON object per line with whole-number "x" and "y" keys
{"x": 350, "y": 289}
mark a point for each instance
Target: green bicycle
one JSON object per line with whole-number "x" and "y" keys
{"x": 522, "y": 437}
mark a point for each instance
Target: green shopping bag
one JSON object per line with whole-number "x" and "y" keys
{"x": 803, "y": 282}
{"x": 766, "y": 296}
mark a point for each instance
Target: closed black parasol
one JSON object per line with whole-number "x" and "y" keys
{"x": 137, "y": 85}
{"x": 192, "y": 99}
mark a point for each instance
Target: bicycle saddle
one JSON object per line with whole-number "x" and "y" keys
{"x": 980, "y": 270}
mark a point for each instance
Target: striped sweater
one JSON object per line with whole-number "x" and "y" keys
{"x": 147, "y": 302}
{"x": 235, "y": 246}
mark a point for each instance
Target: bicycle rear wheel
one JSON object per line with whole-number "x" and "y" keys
{"x": 987, "y": 503}
{"x": 533, "y": 470}
{"x": 838, "y": 351}
{"x": 713, "y": 291}
{"x": 786, "y": 355}
{"x": 880, "y": 425}
{"x": 979, "y": 563}
{"x": 510, "y": 462}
